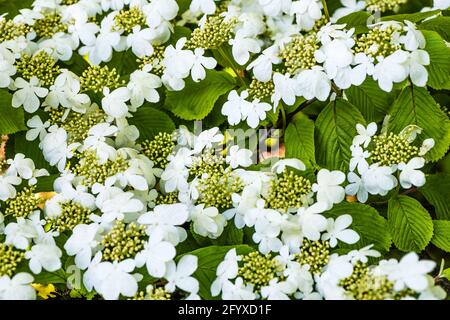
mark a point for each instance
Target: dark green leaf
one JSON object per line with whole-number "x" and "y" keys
{"x": 299, "y": 139}
{"x": 437, "y": 192}
{"x": 439, "y": 68}
{"x": 151, "y": 121}
{"x": 11, "y": 119}
{"x": 441, "y": 238}
{"x": 410, "y": 224}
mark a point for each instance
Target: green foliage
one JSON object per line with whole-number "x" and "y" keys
{"x": 151, "y": 121}
{"x": 409, "y": 223}
{"x": 299, "y": 139}
{"x": 367, "y": 222}
{"x": 335, "y": 129}
{"x": 441, "y": 238}
{"x": 437, "y": 192}
{"x": 439, "y": 68}
{"x": 357, "y": 20}
{"x": 11, "y": 119}
{"x": 415, "y": 106}
{"x": 208, "y": 260}
{"x": 439, "y": 24}
{"x": 197, "y": 99}
{"x": 373, "y": 102}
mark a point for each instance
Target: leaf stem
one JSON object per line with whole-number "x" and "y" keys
{"x": 231, "y": 65}
{"x": 283, "y": 116}
{"x": 325, "y": 9}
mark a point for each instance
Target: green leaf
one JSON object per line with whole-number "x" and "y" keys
{"x": 335, "y": 129}
{"x": 124, "y": 62}
{"x": 46, "y": 277}
{"x": 151, "y": 121}
{"x": 437, "y": 192}
{"x": 413, "y": 17}
{"x": 439, "y": 24}
{"x": 373, "y": 102}
{"x": 45, "y": 184}
{"x": 12, "y": 7}
{"x": 367, "y": 222}
{"x": 357, "y": 20}
{"x": 11, "y": 119}
{"x": 299, "y": 139}
{"x": 441, "y": 238}
{"x": 415, "y": 106}
{"x": 230, "y": 236}
{"x": 197, "y": 99}
{"x": 208, "y": 260}
{"x": 178, "y": 33}
{"x": 439, "y": 68}
{"x": 410, "y": 224}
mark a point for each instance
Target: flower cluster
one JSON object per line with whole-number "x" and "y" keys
{"x": 131, "y": 199}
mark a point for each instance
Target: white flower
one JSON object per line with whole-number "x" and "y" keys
{"x": 28, "y": 94}
{"x": 363, "y": 254}
{"x": 427, "y": 145}
{"x": 441, "y": 4}
{"x": 156, "y": 254}
{"x": 358, "y": 159}
{"x": 235, "y": 105}
{"x": 409, "y": 175}
{"x": 206, "y": 139}
{"x": 314, "y": 83}
{"x": 179, "y": 276}
{"x": 306, "y": 13}
{"x": 21, "y": 233}
{"x": 356, "y": 187}
{"x": 276, "y": 290}
{"x": 81, "y": 243}
{"x": 120, "y": 205}
{"x": 114, "y": 103}
{"x": 286, "y": 89}
{"x": 281, "y": 165}
{"x": 159, "y": 11}
{"x": 227, "y": 269}
{"x": 242, "y": 46}
{"x": 200, "y": 64}
{"x": 113, "y": 279}
{"x": 379, "y": 179}
{"x": 207, "y": 222}
{"x": 142, "y": 86}
{"x": 139, "y": 42}
{"x": 334, "y": 55}
{"x": 45, "y": 256}
{"x": 337, "y": 230}
{"x": 167, "y": 218}
{"x": 178, "y": 62}
{"x": 262, "y": 66}
{"x": 7, "y": 69}
{"x": 365, "y": 134}
{"x": 17, "y": 288}
{"x": 312, "y": 223}
{"x": 38, "y": 128}
{"x": 413, "y": 39}
{"x": 7, "y": 183}
{"x": 203, "y": 6}
{"x": 410, "y": 272}
{"x": 239, "y": 157}
{"x": 391, "y": 70}
{"x": 102, "y": 50}
{"x": 328, "y": 187}
{"x": 21, "y": 166}
{"x": 256, "y": 113}
{"x": 55, "y": 149}
{"x": 237, "y": 290}
{"x": 273, "y": 8}
{"x": 417, "y": 72}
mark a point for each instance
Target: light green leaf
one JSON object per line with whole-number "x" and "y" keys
{"x": 299, "y": 139}
{"x": 11, "y": 119}
{"x": 335, "y": 129}
{"x": 441, "y": 238}
{"x": 151, "y": 121}
{"x": 208, "y": 260}
{"x": 197, "y": 99}
{"x": 439, "y": 24}
{"x": 413, "y": 17}
{"x": 410, "y": 224}
{"x": 415, "y": 106}
{"x": 439, "y": 68}
{"x": 437, "y": 192}
{"x": 367, "y": 222}
{"x": 373, "y": 102}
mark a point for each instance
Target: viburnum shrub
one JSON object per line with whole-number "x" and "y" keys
{"x": 241, "y": 149}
